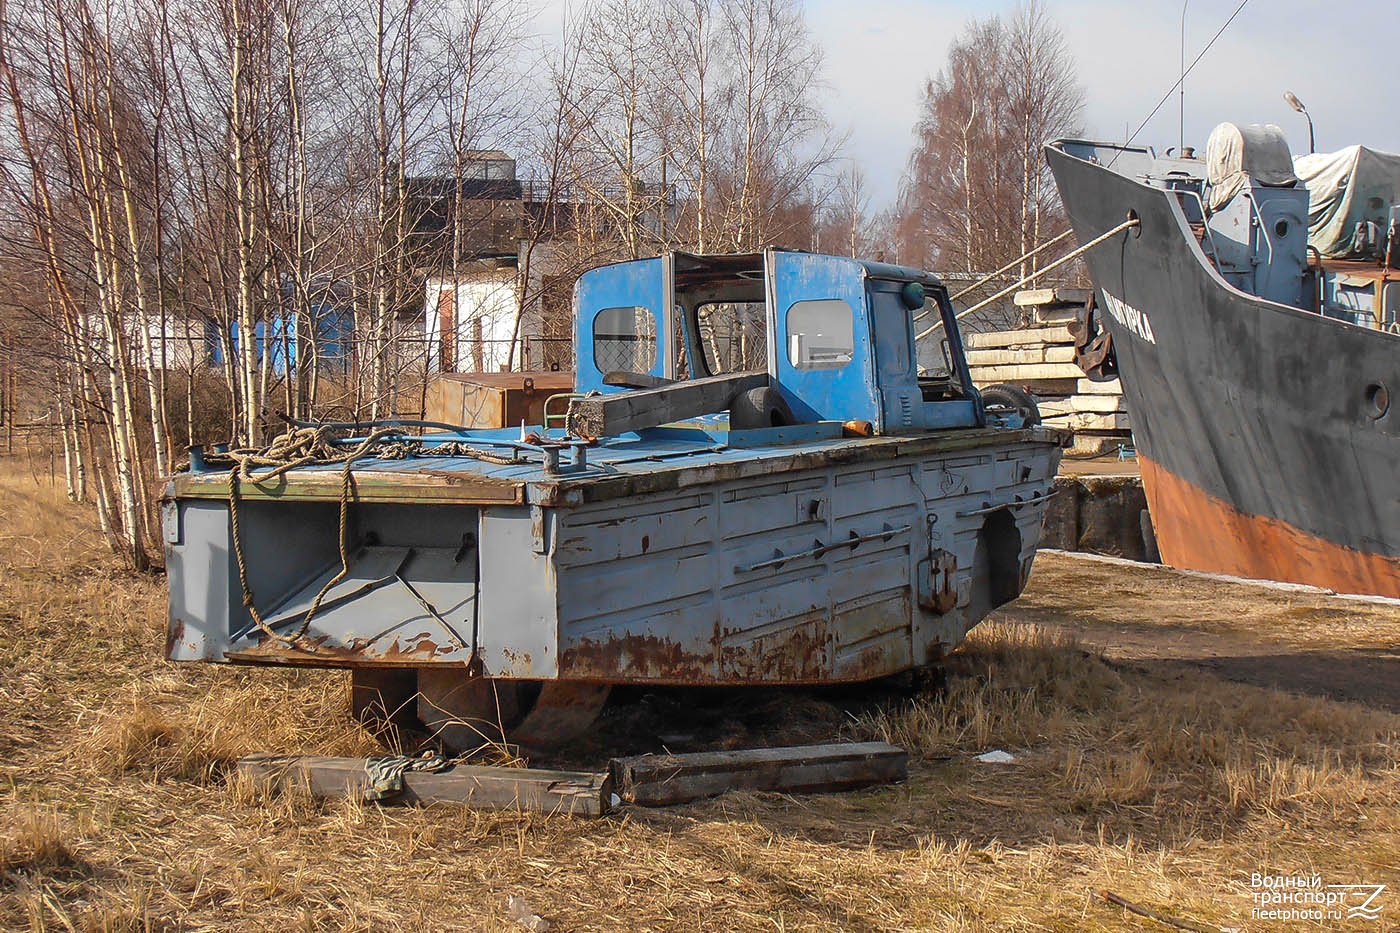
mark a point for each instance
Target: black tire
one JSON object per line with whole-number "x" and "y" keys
{"x": 759, "y": 408}
{"x": 1017, "y": 399}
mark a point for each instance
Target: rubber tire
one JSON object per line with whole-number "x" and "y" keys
{"x": 1015, "y": 398}
{"x": 759, "y": 408}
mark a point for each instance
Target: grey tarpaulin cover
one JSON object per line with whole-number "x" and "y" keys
{"x": 1345, "y": 188}
{"x": 1233, "y": 152}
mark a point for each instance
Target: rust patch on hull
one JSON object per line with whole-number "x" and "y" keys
{"x": 647, "y": 658}
{"x": 359, "y": 653}
{"x": 802, "y": 654}
{"x": 174, "y": 634}
{"x": 795, "y": 655}
{"x": 1197, "y": 531}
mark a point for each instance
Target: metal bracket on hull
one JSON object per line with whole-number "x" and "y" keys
{"x": 821, "y": 550}
{"x": 1035, "y": 500}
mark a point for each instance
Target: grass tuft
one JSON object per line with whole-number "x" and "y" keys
{"x": 33, "y": 840}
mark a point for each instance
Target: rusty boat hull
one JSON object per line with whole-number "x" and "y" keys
{"x": 696, "y": 561}
{"x": 1266, "y": 433}
{"x": 752, "y": 482}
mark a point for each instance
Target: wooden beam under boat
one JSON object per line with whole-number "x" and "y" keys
{"x": 570, "y": 793}
{"x": 658, "y": 780}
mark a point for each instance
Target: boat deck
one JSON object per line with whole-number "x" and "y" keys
{"x": 613, "y": 467}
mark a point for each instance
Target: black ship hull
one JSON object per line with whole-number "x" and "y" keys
{"x": 1267, "y": 439}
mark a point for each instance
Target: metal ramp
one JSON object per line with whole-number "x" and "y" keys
{"x": 393, "y": 605}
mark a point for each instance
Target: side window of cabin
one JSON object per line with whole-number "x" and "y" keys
{"x": 624, "y": 339}
{"x": 820, "y": 334}
{"x": 733, "y": 335}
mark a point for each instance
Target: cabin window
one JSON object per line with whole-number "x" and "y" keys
{"x": 733, "y": 336}
{"x": 820, "y": 334}
{"x": 624, "y": 340}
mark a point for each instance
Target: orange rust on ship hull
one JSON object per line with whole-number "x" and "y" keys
{"x": 1198, "y": 531}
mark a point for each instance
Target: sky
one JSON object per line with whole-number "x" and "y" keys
{"x": 1338, "y": 57}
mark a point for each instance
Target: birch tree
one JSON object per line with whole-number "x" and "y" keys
{"x": 976, "y": 194}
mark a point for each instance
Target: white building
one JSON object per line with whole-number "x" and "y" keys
{"x": 471, "y": 324}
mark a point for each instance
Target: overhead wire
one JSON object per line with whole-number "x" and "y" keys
{"x": 1182, "y": 77}
{"x": 1152, "y": 113}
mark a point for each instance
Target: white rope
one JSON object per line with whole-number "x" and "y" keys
{"x": 1073, "y": 254}
{"x": 991, "y": 275}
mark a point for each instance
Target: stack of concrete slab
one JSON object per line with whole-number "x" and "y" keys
{"x": 1094, "y": 412}
{"x": 1039, "y": 355}
{"x": 1039, "y": 358}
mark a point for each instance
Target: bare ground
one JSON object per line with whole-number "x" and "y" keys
{"x": 1160, "y": 620}
{"x": 1173, "y": 737}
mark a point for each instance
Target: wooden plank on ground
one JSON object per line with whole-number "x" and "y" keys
{"x": 1029, "y": 336}
{"x": 658, "y": 780}
{"x": 571, "y": 793}
{"x": 620, "y": 412}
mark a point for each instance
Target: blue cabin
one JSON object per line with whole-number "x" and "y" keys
{"x": 842, "y": 334}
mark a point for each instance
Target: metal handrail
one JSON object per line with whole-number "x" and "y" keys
{"x": 1205, "y": 218}
{"x": 1034, "y": 500}
{"x": 819, "y": 549}
{"x": 551, "y": 420}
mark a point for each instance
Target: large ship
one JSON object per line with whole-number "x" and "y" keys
{"x": 1249, "y": 305}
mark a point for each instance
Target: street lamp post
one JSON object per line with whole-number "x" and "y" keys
{"x": 1297, "y": 105}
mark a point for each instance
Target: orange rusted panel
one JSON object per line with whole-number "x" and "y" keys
{"x": 801, "y": 654}
{"x": 493, "y": 400}
{"x": 1198, "y": 531}
{"x": 317, "y": 652}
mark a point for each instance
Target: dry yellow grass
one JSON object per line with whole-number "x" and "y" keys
{"x": 33, "y": 841}
{"x": 1169, "y": 785}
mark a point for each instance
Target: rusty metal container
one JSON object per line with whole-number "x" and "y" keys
{"x": 494, "y": 400}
